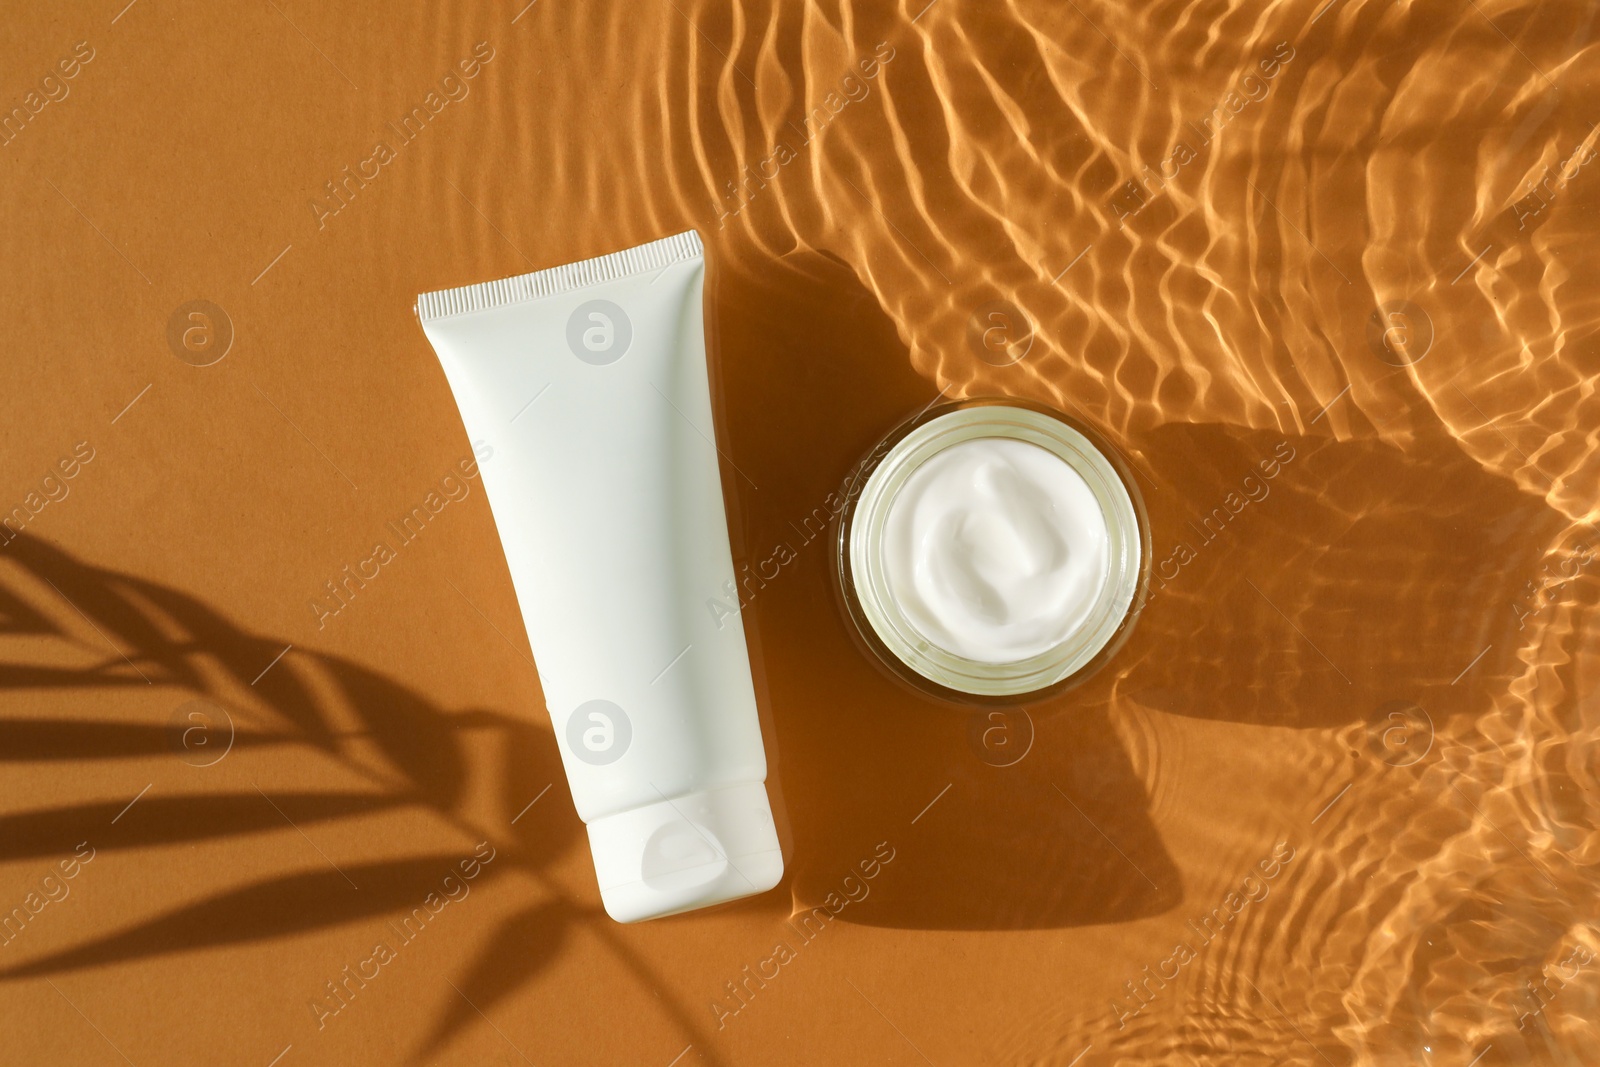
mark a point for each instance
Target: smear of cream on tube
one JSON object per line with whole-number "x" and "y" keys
{"x": 996, "y": 550}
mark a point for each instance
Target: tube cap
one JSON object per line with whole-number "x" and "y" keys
{"x": 685, "y": 853}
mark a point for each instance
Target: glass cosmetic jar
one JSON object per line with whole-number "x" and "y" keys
{"x": 992, "y": 551}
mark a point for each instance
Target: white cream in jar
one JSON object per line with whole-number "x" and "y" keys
{"x": 994, "y": 550}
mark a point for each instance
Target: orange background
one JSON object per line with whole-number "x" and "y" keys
{"x": 1272, "y": 703}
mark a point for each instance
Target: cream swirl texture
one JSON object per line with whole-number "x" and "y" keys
{"x": 996, "y": 550}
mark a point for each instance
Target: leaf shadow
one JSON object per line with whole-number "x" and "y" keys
{"x": 55, "y": 740}
{"x": 518, "y": 949}
{"x": 277, "y": 907}
{"x": 172, "y": 820}
{"x": 96, "y": 631}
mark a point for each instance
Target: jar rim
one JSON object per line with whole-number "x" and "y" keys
{"x": 866, "y": 577}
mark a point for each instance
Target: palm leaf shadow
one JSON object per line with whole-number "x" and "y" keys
{"x": 52, "y": 740}
{"x": 518, "y": 949}
{"x": 174, "y": 639}
{"x": 171, "y": 820}
{"x": 278, "y": 907}
{"x": 17, "y": 616}
{"x": 141, "y": 633}
{"x": 418, "y": 740}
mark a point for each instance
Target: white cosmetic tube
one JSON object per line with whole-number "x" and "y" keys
{"x": 589, "y": 381}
